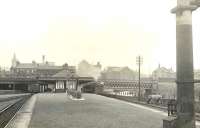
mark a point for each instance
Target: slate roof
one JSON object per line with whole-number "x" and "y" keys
{"x": 37, "y": 66}
{"x": 26, "y": 65}
{"x": 65, "y": 74}
{"x": 49, "y": 67}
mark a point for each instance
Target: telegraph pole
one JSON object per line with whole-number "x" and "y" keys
{"x": 139, "y": 62}
{"x": 184, "y": 63}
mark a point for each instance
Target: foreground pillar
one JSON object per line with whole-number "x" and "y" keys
{"x": 184, "y": 65}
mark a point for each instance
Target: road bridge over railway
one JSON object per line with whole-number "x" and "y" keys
{"x": 17, "y": 80}
{"x": 40, "y": 84}
{"x": 118, "y": 86}
{"x": 128, "y": 85}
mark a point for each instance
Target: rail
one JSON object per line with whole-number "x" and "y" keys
{"x": 5, "y": 99}
{"x": 7, "y": 113}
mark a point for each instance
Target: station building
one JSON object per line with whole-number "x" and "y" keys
{"x": 42, "y": 77}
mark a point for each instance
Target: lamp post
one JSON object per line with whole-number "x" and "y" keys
{"x": 139, "y": 62}
{"x": 184, "y": 63}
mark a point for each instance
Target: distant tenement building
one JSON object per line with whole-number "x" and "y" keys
{"x": 163, "y": 73}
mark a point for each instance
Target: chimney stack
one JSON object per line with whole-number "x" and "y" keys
{"x": 43, "y": 59}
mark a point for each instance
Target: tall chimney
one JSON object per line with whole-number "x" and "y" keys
{"x": 43, "y": 59}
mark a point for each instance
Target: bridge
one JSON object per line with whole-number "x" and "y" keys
{"x": 31, "y": 82}
{"x": 128, "y": 87}
{"x": 17, "y": 80}
{"x": 128, "y": 84}
{"x": 40, "y": 84}
{"x": 112, "y": 83}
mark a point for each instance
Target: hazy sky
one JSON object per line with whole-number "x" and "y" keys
{"x": 113, "y": 32}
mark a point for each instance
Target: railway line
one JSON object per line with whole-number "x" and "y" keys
{"x": 9, "y": 106}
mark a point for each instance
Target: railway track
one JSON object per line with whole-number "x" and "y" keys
{"x": 7, "y": 113}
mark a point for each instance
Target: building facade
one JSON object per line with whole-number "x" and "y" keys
{"x": 163, "y": 73}
{"x": 37, "y": 70}
{"x": 50, "y": 76}
{"x": 166, "y": 82}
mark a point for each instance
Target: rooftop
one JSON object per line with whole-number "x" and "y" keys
{"x": 65, "y": 74}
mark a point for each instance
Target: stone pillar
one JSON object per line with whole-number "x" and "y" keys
{"x": 77, "y": 83}
{"x": 43, "y": 87}
{"x": 56, "y": 87}
{"x": 65, "y": 85}
{"x": 184, "y": 65}
{"x": 40, "y": 88}
{"x": 13, "y": 86}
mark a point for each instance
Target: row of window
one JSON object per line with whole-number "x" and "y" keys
{"x": 69, "y": 84}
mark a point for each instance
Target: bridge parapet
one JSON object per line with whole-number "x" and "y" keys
{"x": 125, "y": 84}
{"x": 17, "y": 79}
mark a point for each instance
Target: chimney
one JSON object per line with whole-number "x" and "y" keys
{"x": 43, "y": 59}
{"x": 159, "y": 65}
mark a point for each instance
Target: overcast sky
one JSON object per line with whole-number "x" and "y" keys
{"x": 113, "y": 32}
